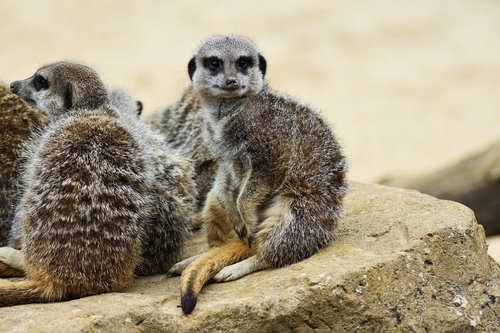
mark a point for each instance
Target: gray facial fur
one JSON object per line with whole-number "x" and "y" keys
{"x": 125, "y": 102}
{"x": 228, "y": 79}
{"x": 60, "y": 86}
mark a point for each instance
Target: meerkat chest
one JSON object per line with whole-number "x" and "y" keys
{"x": 231, "y": 177}
{"x": 223, "y": 143}
{"x": 214, "y": 132}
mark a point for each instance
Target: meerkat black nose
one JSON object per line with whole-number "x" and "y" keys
{"x": 231, "y": 83}
{"x": 14, "y": 87}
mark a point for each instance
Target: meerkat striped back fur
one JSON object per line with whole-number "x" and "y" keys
{"x": 280, "y": 182}
{"x": 102, "y": 196}
{"x": 181, "y": 124}
{"x": 118, "y": 98}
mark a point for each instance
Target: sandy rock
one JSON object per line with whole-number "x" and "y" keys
{"x": 473, "y": 181}
{"x": 494, "y": 247}
{"x": 401, "y": 262}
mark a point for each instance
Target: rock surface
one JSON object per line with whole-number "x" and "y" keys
{"x": 401, "y": 262}
{"x": 473, "y": 181}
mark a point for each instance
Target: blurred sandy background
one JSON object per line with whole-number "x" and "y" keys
{"x": 409, "y": 85}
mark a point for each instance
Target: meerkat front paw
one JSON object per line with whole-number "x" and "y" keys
{"x": 178, "y": 268}
{"x": 229, "y": 273}
{"x": 12, "y": 257}
{"x": 243, "y": 233}
{"x": 11, "y": 262}
{"x": 240, "y": 269}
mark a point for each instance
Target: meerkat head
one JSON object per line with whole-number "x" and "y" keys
{"x": 61, "y": 86}
{"x": 227, "y": 67}
{"x": 125, "y": 102}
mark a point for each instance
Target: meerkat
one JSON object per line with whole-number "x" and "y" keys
{"x": 181, "y": 124}
{"x": 17, "y": 121}
{"x": 125, "y": 102}
{"x": 157, "y": 256}
{"x": 280, "y": 181}
{"x": 118, "y": 98}
{"x": 102, "y": 196}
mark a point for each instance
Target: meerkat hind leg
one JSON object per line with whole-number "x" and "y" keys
{"x": 178, "y": 268}
{"x": 252, "y": 194}
{"x": 240, "y": 269}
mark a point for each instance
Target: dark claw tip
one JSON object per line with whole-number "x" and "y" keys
{"x": 241, "y": 232}
{"x": 188, "y": 303}
{"x": 249, "y": 241}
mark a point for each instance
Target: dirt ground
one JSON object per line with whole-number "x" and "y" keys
{"x": 410, "y": 86}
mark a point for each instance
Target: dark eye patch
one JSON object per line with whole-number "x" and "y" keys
{"x": 244, "y": 62}
{"x": 212, "y": 63}
{"x": 39, "y": 82}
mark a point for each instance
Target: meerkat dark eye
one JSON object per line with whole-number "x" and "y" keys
{"x": 244, "y": 62}
{"x": 40, "y": 82}
{"x": 213, "y": 63}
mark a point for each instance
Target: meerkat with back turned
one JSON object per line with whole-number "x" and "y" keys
{"x": 102, "y": 196}
{"x": 17, "y": 121}
{"x": 280, "y": 182}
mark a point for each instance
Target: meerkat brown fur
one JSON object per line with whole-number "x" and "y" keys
{"x": 181, "y": 123}
{"x": 17, "y": 121}
{"x": 118, "y": 98}
{"x": 101, "y": 198}
{"x": 280, "y": 181}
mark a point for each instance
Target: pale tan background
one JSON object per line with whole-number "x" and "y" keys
{"x": 409, "y": 85}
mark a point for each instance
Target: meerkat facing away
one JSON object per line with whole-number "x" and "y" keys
{"x": 17, "y": 121}
{"x": 101, "y": 198}
{"x": 280, "y": 181}
{"x": 118, "y": 98}
{"x": 181, "y": 124}
{"x": 174, "y": 188}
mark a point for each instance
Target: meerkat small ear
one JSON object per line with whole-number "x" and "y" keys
{"x": 68, "y": 96}
{"x": 139, "y": 107}
{"x": 191, "y": 67}
{"x": 262, "y": 64}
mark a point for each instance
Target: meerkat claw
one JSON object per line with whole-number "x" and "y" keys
{"x": 179, "y": 267}
{"x": 249, "y": 241}
{"x": 241, "y": 232}
{"x": 244, "y": 235}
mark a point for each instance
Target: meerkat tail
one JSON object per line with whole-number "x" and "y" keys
{"x": 24, "y": 292}
{"x": 205, "y": 267}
